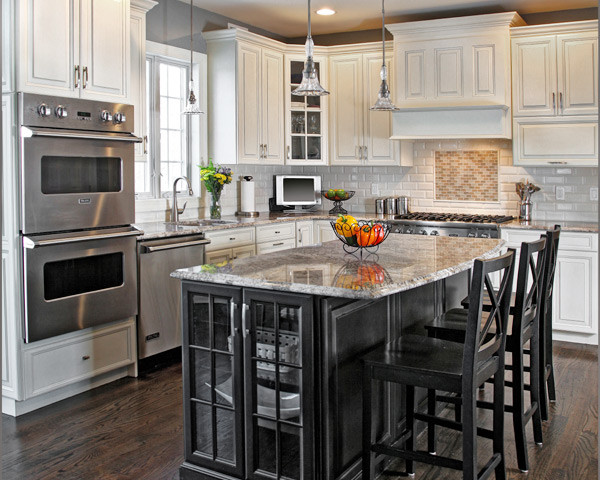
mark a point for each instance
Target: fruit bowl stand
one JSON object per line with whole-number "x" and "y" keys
{"x": 337, "y": 199}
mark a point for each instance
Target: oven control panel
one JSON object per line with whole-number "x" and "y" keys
{"x": 74, "y": 113}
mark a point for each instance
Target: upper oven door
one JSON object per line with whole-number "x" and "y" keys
{"x": 75, "y": 180}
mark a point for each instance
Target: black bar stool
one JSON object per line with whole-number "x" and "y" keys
{"x": 522, "y": 328}
{"x": 419, "y": 361}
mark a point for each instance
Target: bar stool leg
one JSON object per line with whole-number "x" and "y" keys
{"x": 469, "y": 424}
{"x": 518, "y": 403}
{"x": 366, "y": 453}
{"x": 410, "y": 426}
{"x": 498, "y": 442}
{"x": 534, "y": 382}
{"x": 431, "y": 425}
{"x": 550, "y": 362}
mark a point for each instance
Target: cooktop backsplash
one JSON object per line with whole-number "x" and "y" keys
{"x": 418, "y": 183}
{"x": 466, "y": 175}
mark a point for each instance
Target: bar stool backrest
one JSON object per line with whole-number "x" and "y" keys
{"x": 484, "y": 340}
{"x": 550, "y": 261}
{"x": 528, "y": 302}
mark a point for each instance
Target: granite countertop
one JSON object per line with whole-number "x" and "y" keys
{"x": 402, "y": 262}
{"x": 565, "y": 225}
{"x": 155, "y": 230}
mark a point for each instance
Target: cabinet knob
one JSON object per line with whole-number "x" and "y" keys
{"x": 85, "y": 357}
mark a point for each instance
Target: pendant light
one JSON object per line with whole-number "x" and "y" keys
{"x": 384, "y": 103}
{"x": 192, "y": 108}
{"x": 310, "y": 86}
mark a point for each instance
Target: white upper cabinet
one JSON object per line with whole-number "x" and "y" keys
{"x": 555, "y": 94}
{"x": 555, "y": 74}
{"x": 8, "y": 45}
{"x": 359, "y": 136}
{"x": 77, "y": 48}
{"x": 245, "y": 98}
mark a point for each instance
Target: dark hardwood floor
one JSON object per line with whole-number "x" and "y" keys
{"x": 131, "y": 429}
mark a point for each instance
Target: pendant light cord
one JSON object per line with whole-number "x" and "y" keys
{"x": 309, "y": 29}
{"x": 191, "y": 40}
{"x": 383, "y": 28}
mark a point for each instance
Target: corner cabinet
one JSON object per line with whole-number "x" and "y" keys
{"x": 360, "y": 136}
{"x": 248, "y": 384}
{"x": 555, "y": 94}
{"x": 75, "y": 48}
{"x": 305, "y": 117}
{"x": 245, "y": 98}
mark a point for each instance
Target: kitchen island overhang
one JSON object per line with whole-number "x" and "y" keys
{"x": 272, "y": 347}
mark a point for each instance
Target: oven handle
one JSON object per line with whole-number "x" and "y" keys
{"x": 28, "y": 132}
{"x": 170, "y": 246}
{"x": 30, "y": 243}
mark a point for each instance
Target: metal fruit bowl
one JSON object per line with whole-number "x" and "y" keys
{"x": 337, "y": 200}
{"x": 355, "y": 237}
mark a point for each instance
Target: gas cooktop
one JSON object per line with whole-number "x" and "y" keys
{"x": 454, "y": 217}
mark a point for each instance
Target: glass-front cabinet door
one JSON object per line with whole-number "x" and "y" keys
{"x": 306, "y": 118}
{"x": 277, "y": 330}
{"x": 213, "y": 383}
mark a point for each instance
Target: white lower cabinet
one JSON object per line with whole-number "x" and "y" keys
{"x": 269, "y": 247}
{"x": 575, "y": 295}
{"x": 304, "y": 233}
{"x": 59, "y": 362}
{"x": 323, "y": 231}
{"x": 226, "y": 254}
{"x": 275, "y": 237}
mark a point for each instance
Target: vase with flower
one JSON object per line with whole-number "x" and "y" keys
{"x": 215, "y": 178}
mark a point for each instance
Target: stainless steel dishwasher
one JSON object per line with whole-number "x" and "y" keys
{"x": 159, "y": 317}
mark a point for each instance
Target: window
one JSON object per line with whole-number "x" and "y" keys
{"x": 168, "y": 143}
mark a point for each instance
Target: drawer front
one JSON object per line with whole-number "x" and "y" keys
{"x": 514, "y": 238}
{"x": 578, "y": 241}
{"x": 59, "y": 363}
{"x": 268, "y": 233}
{"x": 229, "y": 238}
{"x": 275, "y": 246}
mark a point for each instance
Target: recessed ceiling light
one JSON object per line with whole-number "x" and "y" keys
{"x": 325, "y": 11}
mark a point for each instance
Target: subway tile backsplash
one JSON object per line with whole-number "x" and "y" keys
{"x": 417, "y": 182}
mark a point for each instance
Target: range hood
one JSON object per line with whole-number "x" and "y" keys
{"x": 453, "y": 77}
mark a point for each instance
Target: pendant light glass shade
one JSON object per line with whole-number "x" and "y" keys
{"x": 310, "y": 86}
{"x": 384, "y": 102}
{"x": 192, "y": 107}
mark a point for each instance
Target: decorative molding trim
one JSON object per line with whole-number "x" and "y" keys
{"x": 554, "y": 28}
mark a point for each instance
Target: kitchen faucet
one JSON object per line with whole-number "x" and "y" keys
{"x": 175, "y": 212}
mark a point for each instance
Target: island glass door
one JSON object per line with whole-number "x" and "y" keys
{"x": 279, "y": 390}
{"x": 212, "y": 367}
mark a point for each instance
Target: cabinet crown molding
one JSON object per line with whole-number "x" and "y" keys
{"x": 554, "y": 28}
{"x": 143, "y": 5}
{"x": 445, "y": 27}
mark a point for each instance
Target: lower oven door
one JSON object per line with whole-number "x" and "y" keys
{"x": 78, "y": 280}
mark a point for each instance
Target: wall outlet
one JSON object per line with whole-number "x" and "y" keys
{"x": 374, "y": 189}
{"x": 594, "y": 194}
{"x": 560, "y": 193}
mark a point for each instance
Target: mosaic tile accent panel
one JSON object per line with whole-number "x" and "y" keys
{"x": 466, "y": 175}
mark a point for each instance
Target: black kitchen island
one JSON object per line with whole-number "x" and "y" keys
{"x": 272, "y": 347}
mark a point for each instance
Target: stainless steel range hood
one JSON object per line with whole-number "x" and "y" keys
{"x": 453, "y": 77}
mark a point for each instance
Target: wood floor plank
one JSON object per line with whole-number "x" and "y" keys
{"x": 132, "y": 430}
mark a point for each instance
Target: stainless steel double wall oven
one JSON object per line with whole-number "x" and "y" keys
{"x": 77, "y": 206}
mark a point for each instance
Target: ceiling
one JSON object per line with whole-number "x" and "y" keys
{"x": 288, "y": 17}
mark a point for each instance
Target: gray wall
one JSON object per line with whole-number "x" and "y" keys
{"x": 169, "y": 23}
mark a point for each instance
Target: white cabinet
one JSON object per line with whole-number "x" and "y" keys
{"x": 227, "y": 254}
{"x": 359, "y": 136}
{"x": 245, "y": 98}
{"x": 304, "y": 233}
{"x": 575, "y": 295}
{"x": 8, "y": 45}
{"x": 76, "y": 48}
{"x": 275, "y": 237}
{"x": 230, "y": 244}
{"x": 305, "y": 117}
{"x": 323, "y": 231}
{"x": 137, "y": 96}
{"x": 555, "y": 94}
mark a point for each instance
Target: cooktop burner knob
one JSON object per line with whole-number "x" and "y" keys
{"x": 471, "y": 234}
{"x": 61, "y": 112}
{"x": 434, "y": 233}
{"x": 44, "y": 110}
{"x": 485, "y": 235}
{"x": 423, "y": 232}
{"x": 409, "y": 230}
{"x": 106, "y": 116}
{"x": 120, "y": 117}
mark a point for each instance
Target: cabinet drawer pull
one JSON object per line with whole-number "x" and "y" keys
{"x": 245, "y": 331}
{"x": 554, "y": 102}
{"x": 145, "y": 145}
{"x": 231, "y": 238}
{"x": 277, "y": 231}
{"x": 85, "y": 357}
{"x": 560, "y": 102}
{"x": 288, "y": 152}
{"x": 77, "y": 76}
{"x": 232, "y": 319}
{"x": 277, "y": 244}
{"x": 85, "y": 77}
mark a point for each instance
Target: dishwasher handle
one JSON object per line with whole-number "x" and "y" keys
{"x": 171, "y": 246}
